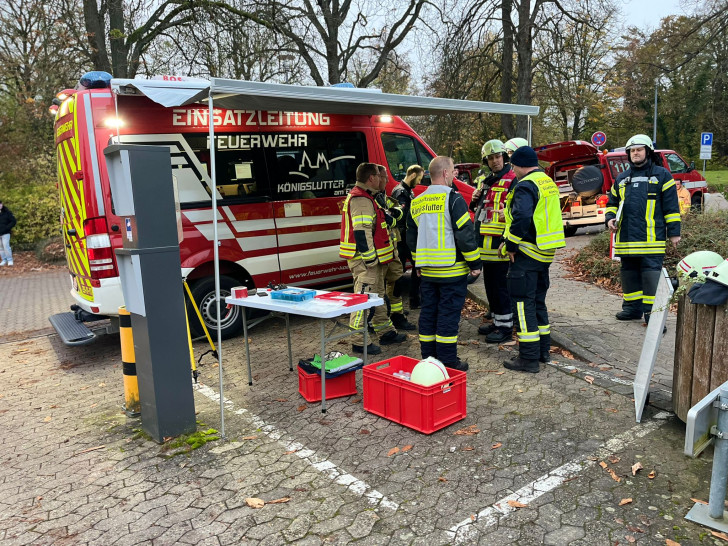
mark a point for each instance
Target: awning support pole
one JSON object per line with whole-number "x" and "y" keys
{"x": 216, "y": 257}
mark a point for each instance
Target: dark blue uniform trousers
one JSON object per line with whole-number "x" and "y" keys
{"x": 442, "y": 303}
{"x": 528, "y": 282}
{"x": 640, "y": 275}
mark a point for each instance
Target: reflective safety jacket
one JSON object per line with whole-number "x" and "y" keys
{"x": 364, "y": 231}
{"x": 394, "y": 215}
{"x": 488, "y": 224}
{"x": 650, "y": 210}
{"x": 404, "y": 195}
{"x": 440, "y": 235}
{"x": 533, "y": 218}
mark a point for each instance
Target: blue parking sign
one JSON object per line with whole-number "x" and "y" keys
{"x": 706, "y": 139}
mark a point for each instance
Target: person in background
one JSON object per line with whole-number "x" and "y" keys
{"x": 393, "y": 280}
{"x": 488, "y": 203}
{"x": 7, "y": 223}
{"x": 643, "y": 210}
{"x": 404, "y": 193}
{"x": 513, "y": 144}
{"x": 440, "y": 232}
{"x": 534, "y": 230}
{"x": 366, "y": 246}
{"x": 683, "y": 196}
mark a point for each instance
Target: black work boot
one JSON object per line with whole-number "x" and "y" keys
{"x": 521, "y": 365}
{"x": 485, "y": 329}
{"x": 628, "y": 315}
{"x": 499, "y": 335}
{"x": 460, "y": 366}
{"x": 400, "y": 322}
{"x": 414, "y": 303}
{"x": 371, "y": 349}
{"x": 392, "y": 337}
{"x": 545, "y": 358}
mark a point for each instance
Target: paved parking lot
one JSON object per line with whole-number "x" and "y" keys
{"x": 539, "y": 459}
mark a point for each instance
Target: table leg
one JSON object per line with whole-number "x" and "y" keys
{"x": 366, "y": 341}
{"x": 288, "y": 332}
{"x": 247, "y": 345}
{"x": 323, "y": 365}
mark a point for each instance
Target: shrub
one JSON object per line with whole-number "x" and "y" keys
{"x": 50, "y": 250}
{"x": 36, "y": 209}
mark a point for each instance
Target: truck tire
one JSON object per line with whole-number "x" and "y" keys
{"x": 204, "y": 293}
{"x": 587, "y": 181}
{"x": 696, "y": 202}
{"x": 570, "y": 231}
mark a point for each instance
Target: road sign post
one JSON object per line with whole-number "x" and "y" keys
{"x": 706, "y": 147}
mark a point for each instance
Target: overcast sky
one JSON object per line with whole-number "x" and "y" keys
{"x": 644, "y": 13}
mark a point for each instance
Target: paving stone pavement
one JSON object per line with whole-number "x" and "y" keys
{"x": 75, "y": 470}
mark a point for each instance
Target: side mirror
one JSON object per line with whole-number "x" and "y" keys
{"x": 691, "y": 167}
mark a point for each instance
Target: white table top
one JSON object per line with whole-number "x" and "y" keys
{"x": 310, "y": 308}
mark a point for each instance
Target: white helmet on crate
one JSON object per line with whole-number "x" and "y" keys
{"x": 698, "y": 265}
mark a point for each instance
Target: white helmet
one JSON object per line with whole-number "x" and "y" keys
{"x": 513, "y": 144}
{"x": 698, "y": 265}
{"x": 639, "y": 140}
{"x": 720, "y": 273}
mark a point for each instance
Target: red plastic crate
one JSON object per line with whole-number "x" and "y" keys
{"x": 425, "y": 409}
{"x": 309, "y": 385}
{"x": 346, "y": 298}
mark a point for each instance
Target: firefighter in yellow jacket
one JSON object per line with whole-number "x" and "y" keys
{"x": 440, "y": 234}
{"x": 534, "y": 230}
{"x": 367, "y": 247}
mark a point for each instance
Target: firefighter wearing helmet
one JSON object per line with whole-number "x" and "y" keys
{"x": 488, "y": 203}
{"x": 643, "y": 211}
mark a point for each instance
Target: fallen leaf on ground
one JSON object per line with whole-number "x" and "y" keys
{"x": 500, "y": 373}
{"x": 290, "y": 452}
{"x": 635, "y": 529}
{"x": 102, "y": 384}
{"x": 669, "y": 542}
{"x": 630, "y": 539}
{"x": 603, "y": 465}
{"x": 250, "y": 437}
{"x": 441, "y": 479}
{"x": 636, "y": 467}
{"x": 472, "y": 517}
{"x": 406, "y": 448}
{"x": 567, "y": 354}
{"x": 699, "y": 501}
{"x": 589, "y": 379}
{"x": 625, "y": 501}
{"x": 613, "y": 459}
{"x": 301, "y": 408}
{"x": 613, "y": 410}
{"x": 516, "y": 504}
{"x": 47, "y": 419}
{"x": 614, "y": 476}
{"x": 392, "y": 451}
{"x": 93, "y": 405}
{"x": 722, "y": 536}
{"x": 355, "y": 401}
{"x": 468, "y": 448}
{"x": 652, "y": 475}
{"x": 279, "y": 501}
{"x": 364, "y": 431}
{"x": 574, "y": 371}
{"x": 496, "y": 445}
{"x": 509, "y": 344}
{"x": 467, "y": 431}
{"x": 254, "y": 502}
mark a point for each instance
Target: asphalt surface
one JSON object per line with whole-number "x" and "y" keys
{"x": 541, "y": 458}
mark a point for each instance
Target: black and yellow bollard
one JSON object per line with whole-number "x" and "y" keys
{"x": 132, "y": 405}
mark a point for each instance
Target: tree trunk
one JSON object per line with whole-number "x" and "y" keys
{"x": 96, "y": 38}
{"x": 117, "y": 39}
{"x": 524, "y": 49}
{"x": 507, "y": 67}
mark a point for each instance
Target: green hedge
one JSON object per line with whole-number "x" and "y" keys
{"x": 37, "y": 210}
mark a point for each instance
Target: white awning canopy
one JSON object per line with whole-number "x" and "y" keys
{"x": 245, "y": 95}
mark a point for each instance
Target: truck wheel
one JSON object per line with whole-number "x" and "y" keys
{"x": 570, "y": 231}
{"x": 696, "y": 202}
{"x": 203, "y": 291}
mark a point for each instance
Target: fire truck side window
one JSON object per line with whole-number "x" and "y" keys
{"x": 401, "y": 152}
{"x": 316, "y": 164}
{"x": 240, "y": 169}
{"x": 676, "y": 164}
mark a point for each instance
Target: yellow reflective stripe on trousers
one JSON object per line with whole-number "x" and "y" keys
{"x": 446, "y": 339}
{"x": 648, "y": 299}
{"x": 379, "y": 326}
{"x": 427, "y": 338}
{"x": 457, "y": 270}
{"x": 529, "y": 337}
{"x": 632, "y": 296}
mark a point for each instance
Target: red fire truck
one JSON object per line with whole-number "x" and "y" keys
{"x": 281, "y": 178}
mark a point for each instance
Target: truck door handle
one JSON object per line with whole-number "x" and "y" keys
{"x": 71, "y": 232}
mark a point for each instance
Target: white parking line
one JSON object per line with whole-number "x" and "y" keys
{"x": 320, "y": 463}
{"x": 465, "y": 531}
